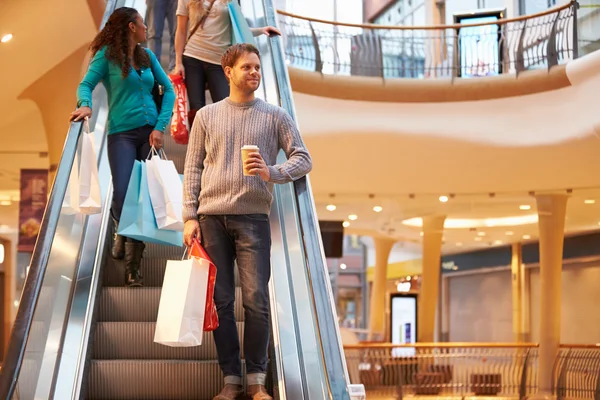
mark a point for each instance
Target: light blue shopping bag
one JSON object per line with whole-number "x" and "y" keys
{"x": 137, "y": 218}
{"x": 241, "y": 30}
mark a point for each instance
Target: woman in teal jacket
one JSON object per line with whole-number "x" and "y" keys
{"x": 128, "y": 72}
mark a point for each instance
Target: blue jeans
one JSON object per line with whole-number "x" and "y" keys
{"x": 156, "y": 13}
{"x": 198, "y": 75}
{"x": 123, "y": 149}
{"x": 246, "y": 238}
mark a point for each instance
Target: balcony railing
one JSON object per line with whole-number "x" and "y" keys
{"x": 505, "y": 370}
{"x": 505, "y": 46}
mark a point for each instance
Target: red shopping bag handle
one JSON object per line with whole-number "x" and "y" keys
{"x": 196, "y": 250}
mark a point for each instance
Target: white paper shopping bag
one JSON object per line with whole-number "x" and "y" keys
{"x": 182, "y": 302}
{"x": 166, "y": 193}
{"x": 70, "y": 204}
{"x": 90, "y": 200}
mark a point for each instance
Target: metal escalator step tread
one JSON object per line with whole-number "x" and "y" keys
{"x": 153, "y": 270}
{"x": 154, "y": 379}
{"x": 135, "y": 341}
{"x": 165, "y": 252}
{"x": 124, "y": 304}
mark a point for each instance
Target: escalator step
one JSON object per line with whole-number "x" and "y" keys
{"x": 124, "y": 304}
{"x": 154, "y": 379}
{"x": 164, "y": 252}
{"x": 153, "y": 270}
{"x": 135, "y": 341}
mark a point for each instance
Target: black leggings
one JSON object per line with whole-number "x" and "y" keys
{"x": 199, "y": 74}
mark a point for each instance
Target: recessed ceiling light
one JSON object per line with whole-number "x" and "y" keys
{"x": 343, "y": 266}
{"x": 497, "y": 241}
{"x": 378, "y": 209}
{"x": 6, "y": 38}
{"x": 526, "y": 237}
{"x": 477, "y": 239}
{"x": 480, "y": 233}
{"x": 5, "y": 203}
{"x": 331, "y": 207}
{"x": 421, "y": 233}
{"x": 352, "y": 217}
{"x": 525, "y": 207}
{"x": 509, "y": 233}
{"x": 346, "y": 224}
{"x": 458, "y": 244}
{"x": 589, "y": 201}
{"x": 443, "y": 199}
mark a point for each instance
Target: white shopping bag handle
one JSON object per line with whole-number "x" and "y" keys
{"x": 160, "y": 153}
{"x": 87, "y": 125}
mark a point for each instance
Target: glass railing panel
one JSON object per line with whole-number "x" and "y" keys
{"x": 44, "y": 343}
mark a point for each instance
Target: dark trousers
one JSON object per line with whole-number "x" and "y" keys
{"x": 247, "y": 239}
{"x": 123, "y": 149}
{"x": 199, "y": 74}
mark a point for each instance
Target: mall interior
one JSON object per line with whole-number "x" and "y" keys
{"x": 445, "y": 245}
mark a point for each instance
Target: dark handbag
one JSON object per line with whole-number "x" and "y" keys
{"x": 158, "y": 92}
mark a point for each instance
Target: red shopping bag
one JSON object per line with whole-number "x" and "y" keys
{"x": 179, "y": 129}
{"x": 211, "y": 318}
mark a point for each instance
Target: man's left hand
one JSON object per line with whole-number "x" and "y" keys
{"x": 256, "y": 165}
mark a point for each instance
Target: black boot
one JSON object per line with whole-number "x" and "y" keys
{"x": 118, "y": 246}
{"x": 133, "y": 258}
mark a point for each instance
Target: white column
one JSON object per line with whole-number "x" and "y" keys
{"x": 383, "y": 248}
{"x": 433, "y": 230}
{"x": 551, "y": 209}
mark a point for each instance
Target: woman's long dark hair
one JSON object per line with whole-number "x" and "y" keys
{"x": 115, "y": 36}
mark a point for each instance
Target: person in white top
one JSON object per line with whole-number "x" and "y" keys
{"x": 198, "y": 54}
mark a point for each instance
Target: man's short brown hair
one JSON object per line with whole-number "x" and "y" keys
{"x": 233, "y": 54}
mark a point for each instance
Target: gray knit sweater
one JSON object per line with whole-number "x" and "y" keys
{"x": 214, "y": 182}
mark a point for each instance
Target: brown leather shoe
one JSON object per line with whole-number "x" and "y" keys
{"x": 258, "y": 392}
{"x": 230, "y": 392}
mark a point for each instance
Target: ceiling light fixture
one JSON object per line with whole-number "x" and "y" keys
{"x": 352, "y": 217}
{"x": 525, "y": 207}
{"x": 480, "y": 233}
{"x": 497, "y": 241}
{"x": 526, "y": 237}
{"x": 509, "y": 233}
{"x": 5, "y": 203}
{"x": 465, "y": 223}
{"x": 331, "y": 207}
{"x": 378, "y": 209}
{"x": 478, "y": 238}
{"x": 589, "y": 201}
{"x": 346, "y": 224}
{"x": 343, "y": 266}
{"x": 443, "y": 199}
{"x": 458, "y": 244}
{"x": 6, "y": 38}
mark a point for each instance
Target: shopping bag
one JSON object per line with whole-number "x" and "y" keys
{"x": 179, "y": 122}
{"x": 182, "y": 303}
{"x": 166, "y": 192}
{"x": 70, "y": 204}
{"x": 211, "y": 318}
{"x": 137, "y": 218}
{"x": 239, "y": 25}
{"x": 90, "y": 200}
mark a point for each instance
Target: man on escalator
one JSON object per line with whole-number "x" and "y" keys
{"x": 227, "y": 203}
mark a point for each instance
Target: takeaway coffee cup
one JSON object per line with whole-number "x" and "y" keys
{"x": 246, "y": 150}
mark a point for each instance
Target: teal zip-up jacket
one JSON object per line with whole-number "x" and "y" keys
{"x": 130, "y": 101}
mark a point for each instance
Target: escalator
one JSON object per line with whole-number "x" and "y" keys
{"x": 79, "y": 334}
